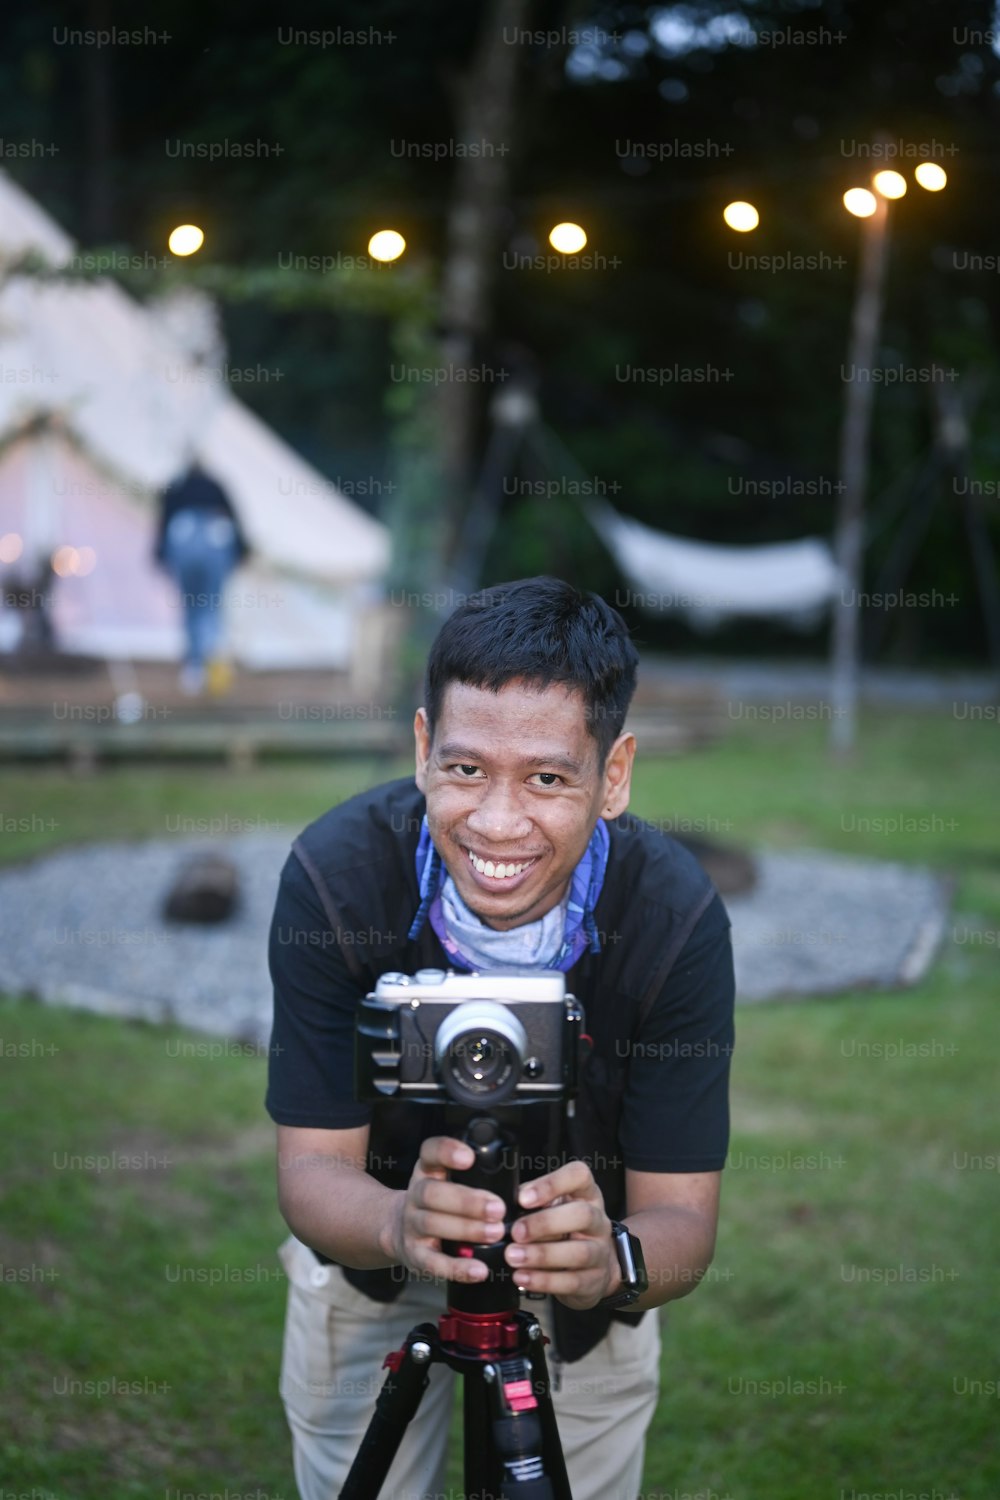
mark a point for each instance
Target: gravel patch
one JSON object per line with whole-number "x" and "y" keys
{"x": 83, "y": 927}
{"x": 819, "y": 923}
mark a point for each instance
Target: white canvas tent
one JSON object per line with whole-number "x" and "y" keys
{"x": 99, "y": 405}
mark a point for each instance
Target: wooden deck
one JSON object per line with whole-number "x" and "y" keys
{"x": 89, "y": 711}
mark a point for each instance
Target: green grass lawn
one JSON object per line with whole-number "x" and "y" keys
{"x": 844, "y": 1341}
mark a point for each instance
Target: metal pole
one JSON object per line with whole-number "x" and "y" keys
{"x": 866, "y": 321}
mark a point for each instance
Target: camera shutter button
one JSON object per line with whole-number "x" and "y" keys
{"x": 429, "y": 976}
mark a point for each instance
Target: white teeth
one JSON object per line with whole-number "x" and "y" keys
{"x": 494, "y": 871}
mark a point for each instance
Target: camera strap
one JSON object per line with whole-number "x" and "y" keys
{"x": 669, "y": 958}
{"x": 333, "y": 916}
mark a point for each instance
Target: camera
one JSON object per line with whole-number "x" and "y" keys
{"x": 481, "y": 1039}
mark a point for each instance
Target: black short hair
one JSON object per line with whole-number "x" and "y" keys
{"x": 544, "y": 631}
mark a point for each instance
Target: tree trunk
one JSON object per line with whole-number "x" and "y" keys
{"x": 439, "y": 475}
{"x": 488, "y": 118}
{"x": 854, "y": 445}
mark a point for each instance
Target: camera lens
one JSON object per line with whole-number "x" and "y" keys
{"x": 480, "y": 1064}
{"x": 478, "y": 1051}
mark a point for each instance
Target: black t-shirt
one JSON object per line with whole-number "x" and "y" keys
{"x": 674, "y": 1114}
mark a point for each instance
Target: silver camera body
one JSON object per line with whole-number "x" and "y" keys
{"x": 481, "y": 1039}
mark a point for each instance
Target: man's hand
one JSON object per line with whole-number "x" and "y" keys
{"x": 433, "y": 1209}
{"x": 565, "y": 1248}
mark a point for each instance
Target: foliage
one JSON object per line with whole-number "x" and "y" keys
{"x": 643, "y": 137}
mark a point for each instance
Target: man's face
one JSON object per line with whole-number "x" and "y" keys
{"x": 512, "y": 780}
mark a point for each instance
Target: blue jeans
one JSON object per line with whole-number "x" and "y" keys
{"x": 201, "y": 553}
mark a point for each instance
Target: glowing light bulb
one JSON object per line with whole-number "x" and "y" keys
{"x": 741, "y": 216}
{"x": 386, "y": 244}
{"x": 185, "y": 239}
{"x": 567, "y": 238}
{"x": 860, "y": 202}
{"x": 931, "y": 176}
{"x": 889, "y": 184}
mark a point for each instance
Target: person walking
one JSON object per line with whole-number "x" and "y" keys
{"x": 199, "y": 542}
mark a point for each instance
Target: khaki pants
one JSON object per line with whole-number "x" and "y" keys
{"x": 331, "y": 1374}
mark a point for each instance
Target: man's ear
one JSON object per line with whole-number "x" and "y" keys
{"x": 618, "y": 776}
{"x": 422, "y": 747}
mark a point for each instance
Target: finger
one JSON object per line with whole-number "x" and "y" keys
{"x": 585, "y": 1284}
{"x": 558, "y": 1255}
{"x": 575, "y": 1217}
{"x": 452, "y": 1198}
{"x": 441, "y": 1153}
{"x": 573, "y": 1178}
{"x": 431, "y": 1262}
{"x": 425, "y": 1224}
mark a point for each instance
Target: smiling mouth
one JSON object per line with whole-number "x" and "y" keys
{"x": 499, "y": 870}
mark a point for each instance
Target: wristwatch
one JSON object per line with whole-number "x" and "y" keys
{"x": 632, "y": 1265}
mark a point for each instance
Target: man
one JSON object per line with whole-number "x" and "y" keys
{"x": 511, "y": 847}
{"x": 199, "y": 542}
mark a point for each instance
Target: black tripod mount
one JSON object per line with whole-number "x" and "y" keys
{"x": 512, "y": 1447}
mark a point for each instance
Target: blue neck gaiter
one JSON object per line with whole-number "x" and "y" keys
{"x": 470, "y": 943}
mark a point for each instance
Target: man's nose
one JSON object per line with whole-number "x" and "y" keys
{"x": 499, "y": 816}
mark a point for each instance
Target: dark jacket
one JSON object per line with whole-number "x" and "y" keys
{"x": 198, "y": 491}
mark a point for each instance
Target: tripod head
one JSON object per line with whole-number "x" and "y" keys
{"x": 496, "y": 1170}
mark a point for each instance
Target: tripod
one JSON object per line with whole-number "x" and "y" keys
{"x": 512, "y": 1447}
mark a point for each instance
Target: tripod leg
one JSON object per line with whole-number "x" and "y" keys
{"x": 397, "y": 1403}
{"x": 555, "y": 1462}
{"x": 482, "y": 1471}
{"x": 519, "y": 1455}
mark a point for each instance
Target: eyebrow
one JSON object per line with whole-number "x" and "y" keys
{"x": 463, "y": 753}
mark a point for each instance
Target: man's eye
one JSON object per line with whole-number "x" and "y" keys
{"x": 548, "y": 778}
{"x": 468, "y": 771}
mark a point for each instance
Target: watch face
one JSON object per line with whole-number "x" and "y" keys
{"x": 641, "y": 1279}
{"x": 632, "y": 1266}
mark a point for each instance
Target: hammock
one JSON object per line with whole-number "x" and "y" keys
{"x": 709, "y": 585}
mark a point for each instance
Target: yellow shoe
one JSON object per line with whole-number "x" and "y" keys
{"x": 220, "y": 677}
